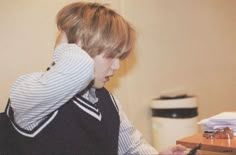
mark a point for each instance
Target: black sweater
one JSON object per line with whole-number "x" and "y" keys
{"x": 77, "y": 128}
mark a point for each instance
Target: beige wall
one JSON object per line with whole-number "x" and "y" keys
{"x": 184, "y": 45}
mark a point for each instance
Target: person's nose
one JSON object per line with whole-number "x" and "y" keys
{"x": 116, "y": 64}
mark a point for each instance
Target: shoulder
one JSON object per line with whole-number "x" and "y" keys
{"x": 103, "y": 92}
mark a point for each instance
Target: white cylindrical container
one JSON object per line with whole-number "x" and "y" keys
{"x": 173, "y": 119}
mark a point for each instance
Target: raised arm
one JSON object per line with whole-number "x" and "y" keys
{"x": 35, "y": 95}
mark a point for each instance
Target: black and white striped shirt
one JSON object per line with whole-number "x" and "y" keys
{"x": 73, "y": 72}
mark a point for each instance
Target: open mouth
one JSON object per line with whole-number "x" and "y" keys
{"x": 107, "y": 78}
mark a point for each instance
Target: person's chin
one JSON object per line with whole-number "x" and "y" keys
{"x": 98, "y": 85}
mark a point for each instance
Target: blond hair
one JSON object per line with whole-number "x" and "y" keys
{"x": 97, "y": 28}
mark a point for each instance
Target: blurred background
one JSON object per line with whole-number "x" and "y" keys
{"x": 183, "y": 46}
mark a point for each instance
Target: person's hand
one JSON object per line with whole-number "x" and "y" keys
{"x": 175, "y": 150}
{"x": 61, "y": 38}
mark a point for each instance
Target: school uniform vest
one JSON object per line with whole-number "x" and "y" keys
{"x": 77, "y": 128}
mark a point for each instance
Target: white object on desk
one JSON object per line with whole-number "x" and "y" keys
{"x": 224, "y": 119}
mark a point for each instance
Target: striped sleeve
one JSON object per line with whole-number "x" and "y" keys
{"x": 35, "y": 95}
{"x": 131, "y": 141}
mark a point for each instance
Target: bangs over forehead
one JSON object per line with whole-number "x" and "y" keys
{"x": 97, "y": 28}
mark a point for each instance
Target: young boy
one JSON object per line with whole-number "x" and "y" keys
{"x": 66, "y": 109}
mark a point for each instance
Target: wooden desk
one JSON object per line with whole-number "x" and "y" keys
{"x": 215, "y": 145}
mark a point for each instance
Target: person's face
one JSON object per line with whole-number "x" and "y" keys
{"x": 104, "y": 69}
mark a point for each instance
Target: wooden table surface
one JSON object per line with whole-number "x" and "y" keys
{"x": 215, "y": 145}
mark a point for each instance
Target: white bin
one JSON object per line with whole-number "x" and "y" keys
{"x": 173, "y": 119}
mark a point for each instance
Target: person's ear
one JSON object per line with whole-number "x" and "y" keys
{"x": 79, "y": 43}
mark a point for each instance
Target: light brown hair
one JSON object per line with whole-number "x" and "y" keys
{"x": 97, "y": 28}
